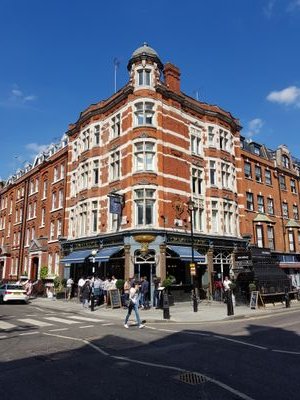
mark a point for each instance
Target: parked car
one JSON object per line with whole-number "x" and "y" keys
{"x": 12, "y": 292}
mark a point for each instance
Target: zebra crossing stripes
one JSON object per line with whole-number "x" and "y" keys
{"x": 62, "y": 320}
{"x": 35, "y": 322}
{"x": 6, "y": 325}
{"x": 87, "y": 319}
{"x": 50, "y": 321}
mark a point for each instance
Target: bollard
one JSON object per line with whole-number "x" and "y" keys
{"x": 166, "y": 306}
{"x": 195, "y": 302}
{"x": 229, "y": 303}
{"x": 287, "y": 298}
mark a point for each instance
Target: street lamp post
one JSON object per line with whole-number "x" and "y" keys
{"x": 94, "y": 252}
{"x": 191, "y": 208}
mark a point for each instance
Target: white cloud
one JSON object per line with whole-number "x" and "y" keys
{"x": 254, "y": 127}
{"x": 293, "y": 6}
{"x": 36, "y": 148}
{"x": 17, "y": 95}
{"x": 268, "y": 9}
{"x": 287, "y": 96}
{"x": 17, "y": 99}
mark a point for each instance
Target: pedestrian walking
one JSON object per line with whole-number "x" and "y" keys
{"x": 85, "y": 294}
{"x": 133, "y": 305}
{"x": 70, "y": 284}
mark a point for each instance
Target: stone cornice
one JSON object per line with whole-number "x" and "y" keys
{"x": 101, "y": 108}
{"x": 188, "y": 103}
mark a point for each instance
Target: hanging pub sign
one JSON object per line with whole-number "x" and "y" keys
{"x": 115, "y": 204}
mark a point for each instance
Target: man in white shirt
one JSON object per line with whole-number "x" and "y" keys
{"x": 226, "y": 284}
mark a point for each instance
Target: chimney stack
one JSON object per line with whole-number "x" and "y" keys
{"x": 172, "y": 77}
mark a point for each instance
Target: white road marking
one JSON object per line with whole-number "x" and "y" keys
{"x": 287, "y": 352}
{"x": 35, "y": 322}
{"x": 86, "y": 319}
{"x": 86, "y": 326}
{"x": 3, "y": 337}
{"x": 218, "y": 383}
{"x": 6, "y": 325}
{"x": 40, "y": 309}
{"x": 63, "y": 321}
{"x": 30, "y": 315}
{"x": 197, "y": 333}
{"x": 240, "y": 342}
{"x": 108, "y": 324}
{"x": 98, "y": 349}
{"x": 58, "y": 329}
{"x": 28, "y": 333}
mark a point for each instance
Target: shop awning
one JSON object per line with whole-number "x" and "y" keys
{"x": 76, "y": 257}
{"x": 105, "y": 254}
{"x": 185, "y": 253}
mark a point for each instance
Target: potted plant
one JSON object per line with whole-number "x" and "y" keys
{"x": 44, "y": 273}
{"x": 252, "y": 287}
{"x": 166, "y": 283}
{"x": 120, "y": 285}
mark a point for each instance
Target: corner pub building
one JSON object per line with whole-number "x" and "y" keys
{"x": 140, "y": 185}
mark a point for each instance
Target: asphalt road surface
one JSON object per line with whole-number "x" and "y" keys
{"x": 55, "y": 355}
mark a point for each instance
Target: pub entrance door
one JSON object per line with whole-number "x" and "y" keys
{"x": 145, "y": 265}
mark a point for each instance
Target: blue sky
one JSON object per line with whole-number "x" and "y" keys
{"x": 57, "y": 58}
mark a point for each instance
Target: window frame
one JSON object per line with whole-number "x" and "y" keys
{"x": 142, "y": 112}
{"x": 151, "y": 153}
{"x": 145, "y": 201}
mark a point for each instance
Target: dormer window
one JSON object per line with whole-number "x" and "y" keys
{"x": 256, "y": 150}
{"x": 285, "y": 161}
{"x": 144, "y": 77}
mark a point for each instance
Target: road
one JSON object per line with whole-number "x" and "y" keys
{"x": 57, "y": 355}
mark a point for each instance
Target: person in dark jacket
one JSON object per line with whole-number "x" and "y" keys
{"x": 145, "y": 293}
{"x": 85, "y": 294}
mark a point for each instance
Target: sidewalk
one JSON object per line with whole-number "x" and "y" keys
{"x": 180, "y": 312}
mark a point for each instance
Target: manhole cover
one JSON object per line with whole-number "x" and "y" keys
{"x": 191, "y": 378}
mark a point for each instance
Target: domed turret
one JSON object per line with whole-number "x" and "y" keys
{"x": 144, "y": 52}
